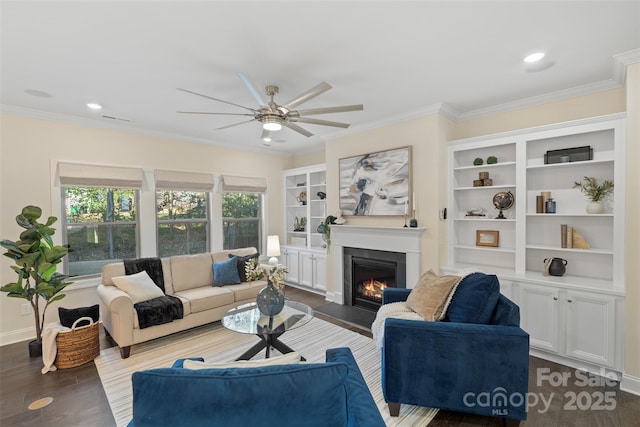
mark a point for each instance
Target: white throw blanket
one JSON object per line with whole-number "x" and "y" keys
{"x": 49, "y": 347}
{"x": 398, "y": 310}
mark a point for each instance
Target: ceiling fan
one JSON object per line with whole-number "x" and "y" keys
{"x": 273, "y": 116}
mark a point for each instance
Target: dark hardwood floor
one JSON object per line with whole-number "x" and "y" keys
{"x": 79, "y": 399}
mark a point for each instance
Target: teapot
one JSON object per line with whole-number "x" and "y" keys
{"x": 555, "y": 266}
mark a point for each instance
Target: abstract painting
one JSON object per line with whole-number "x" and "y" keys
{"x": 376, "y": 183}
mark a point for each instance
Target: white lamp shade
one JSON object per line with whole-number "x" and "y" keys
{"x": 273, "y": 250}
{"x": 273, "y": 246}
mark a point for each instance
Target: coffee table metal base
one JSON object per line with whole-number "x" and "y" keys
{"x": 267, "y": 341}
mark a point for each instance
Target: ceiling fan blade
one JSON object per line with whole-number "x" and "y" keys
{"x": 216, "y": 99}
{"x": 235, "y": 124}
{"x": 310, "y": 94}
{"x": 328, "y": 110}
{"x": 320, "y": 122}
{"x": 252, "y": 89}
{"x": 206, "y": 112}
{"x": 297, "y": 129}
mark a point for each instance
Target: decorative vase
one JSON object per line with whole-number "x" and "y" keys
{"x": 557, "y": 266}
{"x": 35, "y": 348}
{"x": 413, "y": 223}
{"x": 595, "y": 208}
{"x": 270, "y": 300}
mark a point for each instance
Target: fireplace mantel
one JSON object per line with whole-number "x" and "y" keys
{"x": 396, "y": 239}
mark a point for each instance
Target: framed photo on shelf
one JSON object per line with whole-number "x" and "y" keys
{"x": 487, "y": 238}
{"x": 376, "y": 183}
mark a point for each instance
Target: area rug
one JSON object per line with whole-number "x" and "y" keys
{"x": 217, "y": 344}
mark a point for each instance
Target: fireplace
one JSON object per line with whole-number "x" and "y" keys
{"x": 367, "y": 272}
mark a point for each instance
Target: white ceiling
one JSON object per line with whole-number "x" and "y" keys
{"x": 399, "y": 59}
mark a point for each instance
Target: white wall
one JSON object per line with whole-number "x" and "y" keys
{"x": 30, "y": 146}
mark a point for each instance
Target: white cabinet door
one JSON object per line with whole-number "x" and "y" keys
{"x": 539, "y": 307}
{"x": 320, "y": 272}
{"x": 292, "y": 264}
{"x": 590, "y": 333}
{"x": 306, "y": 268}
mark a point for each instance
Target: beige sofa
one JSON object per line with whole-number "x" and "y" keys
{"x": 188, "y": 277}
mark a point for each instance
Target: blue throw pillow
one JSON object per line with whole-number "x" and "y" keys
{"x": 226, "y": 272}
{"x": 475, "y": 299}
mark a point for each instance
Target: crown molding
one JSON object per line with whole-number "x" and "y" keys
{"x": 440, "y": 108}
{"x": 620, "y": 63}
{"x": 542, "y": 99}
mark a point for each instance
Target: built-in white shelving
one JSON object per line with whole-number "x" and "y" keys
{"x": 574, "y": 317}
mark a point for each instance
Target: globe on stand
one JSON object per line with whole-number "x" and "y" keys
{"x": 503, "y": 200}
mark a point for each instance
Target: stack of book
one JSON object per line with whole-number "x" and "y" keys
{"x": 570, "y": 238}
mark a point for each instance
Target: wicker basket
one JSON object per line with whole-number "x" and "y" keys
{"x": 79, "y": 345}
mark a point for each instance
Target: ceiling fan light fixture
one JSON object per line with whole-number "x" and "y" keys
{"x": 271, "y": 124}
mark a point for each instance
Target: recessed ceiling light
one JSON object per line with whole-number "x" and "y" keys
{"x": 94, "y": 106}
{"x": 534, "y": 57}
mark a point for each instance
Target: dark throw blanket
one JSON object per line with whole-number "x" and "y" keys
{"x": 159, "y": 310}
{"x": 153, "y": 267}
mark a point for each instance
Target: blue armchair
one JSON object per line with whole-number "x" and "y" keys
{"x": 480, "y": 368}
{"x": 310, "y": 394}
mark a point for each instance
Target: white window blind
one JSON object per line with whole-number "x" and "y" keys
{"x": 185, "y": 181}
{"x": 243, "y": 184}
{"x": 75, "y": 174}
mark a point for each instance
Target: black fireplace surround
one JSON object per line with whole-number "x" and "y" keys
{"x": 367, "y": 272}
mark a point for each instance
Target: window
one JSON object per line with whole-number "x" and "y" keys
{"x": 101, "y": 227}
{"x": 241, "y": 220}
{"x": 242, "y": 211}
{"x": 183, "y": 222}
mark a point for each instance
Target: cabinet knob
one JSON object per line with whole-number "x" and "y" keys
{"x": 555, "y": 298}
{"x": 569, "y": 300}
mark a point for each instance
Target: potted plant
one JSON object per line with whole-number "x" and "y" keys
{"x": 36, "y": 258}
{"x": 596, "y": 193}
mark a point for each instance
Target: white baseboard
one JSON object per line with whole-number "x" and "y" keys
{"x": 630, "y": 384}
{"x": 17, "y": 336}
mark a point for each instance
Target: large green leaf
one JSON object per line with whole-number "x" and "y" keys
{"x": 12, "y": 287}
{"x": 46, "y": 270}
{"x": 32, "y": 212}
{"x": 29, "y": 235}
{"x": 55, "y": 254}
{"x": 23, "y": 221}
{"x": 8, "y": 244}
{"x": 51, "y": 220}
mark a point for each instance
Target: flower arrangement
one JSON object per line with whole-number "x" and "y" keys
{"x": 253, "y": 270}
{"x": 592, "y": 190}
{"x": 276, "y": 276}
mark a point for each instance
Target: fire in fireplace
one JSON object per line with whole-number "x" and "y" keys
{"x": 368, "y": 272}
{"x": 371, "y": 289}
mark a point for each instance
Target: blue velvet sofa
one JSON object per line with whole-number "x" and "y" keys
{"x": 476, "y": 360}
{"x": 307, "y": 394}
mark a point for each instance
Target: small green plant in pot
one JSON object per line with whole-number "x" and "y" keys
{"x": 36, "y": 258}
{"x": 596, "y": 193}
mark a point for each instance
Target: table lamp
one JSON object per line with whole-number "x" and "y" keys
{"x": 273, "y": 249}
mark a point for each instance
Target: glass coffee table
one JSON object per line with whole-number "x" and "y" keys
{"x": 247, "y": 319}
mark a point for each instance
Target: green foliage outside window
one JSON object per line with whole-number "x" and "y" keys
{"x": 100, "y": 227}
{"x": 241, "y": 220}
{"x": 182, "y": 222}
